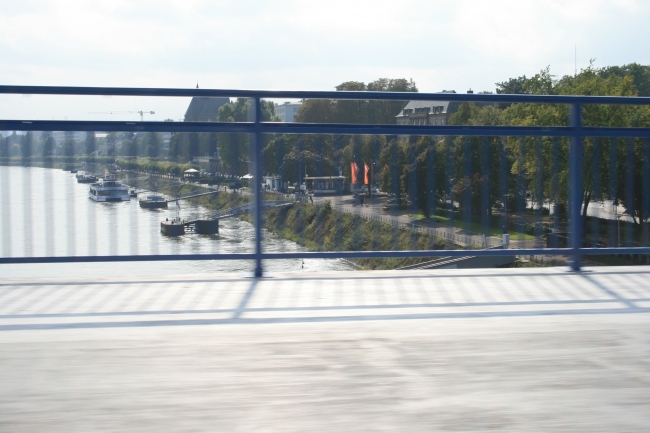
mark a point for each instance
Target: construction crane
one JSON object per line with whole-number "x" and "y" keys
{"x": 140, "y": 112}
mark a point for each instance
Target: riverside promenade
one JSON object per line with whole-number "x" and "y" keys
{"x": 512, "y": 350}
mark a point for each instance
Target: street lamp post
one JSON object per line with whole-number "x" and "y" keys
{"x": 506, "y": 236}
{"x": 618, "y": 222}
{"x": 505, "y": 213}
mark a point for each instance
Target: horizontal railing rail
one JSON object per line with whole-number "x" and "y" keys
{"x": 575, "y": 130}
{"x": 334, "y": 95}
{"x": 318, "y": 128}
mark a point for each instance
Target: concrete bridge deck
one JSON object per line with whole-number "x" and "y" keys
{"x": 513, "y": 350}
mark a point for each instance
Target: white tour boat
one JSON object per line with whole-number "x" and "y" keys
{"x": 109, "y": 189}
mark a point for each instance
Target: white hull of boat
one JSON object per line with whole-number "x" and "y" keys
{"x": 105, "y": 199}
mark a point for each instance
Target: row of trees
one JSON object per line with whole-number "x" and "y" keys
{"x": 476, "y": 172}
{"x": 479, "y": 172}
{"x": 357, "y": 111}
{"x": 43, "y": 145}
{"x": 152, "y": 166}
{"x": 233, "y": 149}
{"x": 611, "y": 167}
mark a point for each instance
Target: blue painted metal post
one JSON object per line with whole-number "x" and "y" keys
{"x": 257, "y": 186}
{"x": 576, "y": 185}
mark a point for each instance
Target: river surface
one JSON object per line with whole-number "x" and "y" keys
{"x": 45, "y": 212}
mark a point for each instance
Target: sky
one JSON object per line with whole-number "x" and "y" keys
{"x": 297, "y": 45}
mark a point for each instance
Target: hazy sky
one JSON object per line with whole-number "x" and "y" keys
{"x": 296, "y": 45}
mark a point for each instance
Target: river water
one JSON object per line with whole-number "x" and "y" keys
{"x": 45, "y": 212}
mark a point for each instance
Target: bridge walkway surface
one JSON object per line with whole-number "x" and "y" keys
{"x": 532, "y": 349}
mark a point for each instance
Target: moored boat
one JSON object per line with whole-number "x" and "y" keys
{"x": 109, "y": 189}
{"x": 153, "y": 202}
{"x": 85, "y": 178}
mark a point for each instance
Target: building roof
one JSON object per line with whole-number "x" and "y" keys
{"x": 443, "y": 107}
{"x": 204, "y": 109}
{"x": 434, "y": 107}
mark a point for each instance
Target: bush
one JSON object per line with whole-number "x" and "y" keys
{"x": 154, "y": 166}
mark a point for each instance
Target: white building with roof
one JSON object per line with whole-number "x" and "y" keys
{"x": 430, "y": 112}
{"x": 287, "y": 111}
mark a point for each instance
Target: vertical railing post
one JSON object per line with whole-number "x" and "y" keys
{"x": 257, "y": 186}
{"x": 575, "y": 185}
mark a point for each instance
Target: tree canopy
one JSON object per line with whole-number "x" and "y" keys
{"x": 357, "y": 111}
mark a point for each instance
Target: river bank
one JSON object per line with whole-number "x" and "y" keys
{"x": 322, "y": 228}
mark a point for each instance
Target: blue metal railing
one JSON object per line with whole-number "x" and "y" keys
{"x": 576, "y": 131}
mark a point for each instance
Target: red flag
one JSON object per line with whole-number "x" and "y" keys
{"x": 354, "y": 169}
{"x": 366, "y": 169}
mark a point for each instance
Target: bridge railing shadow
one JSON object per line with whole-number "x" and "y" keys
{"x": 303, "y": 299}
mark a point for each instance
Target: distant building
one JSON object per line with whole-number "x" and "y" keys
{"x": 323, "y": 185}
{"x": 430, "y": 112}
{"x": 274, "y": 183}
{"x": 207, "y": 163}
{"x": 204, "y": 109}
{"x": 191, "y": 174}
{"x": 287, "y": 111}
{"x": 76, "y": 136}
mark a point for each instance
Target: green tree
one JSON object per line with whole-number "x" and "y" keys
{"x": 357, "y": 111}
{"x": 351, "y": 111}
{"x": 316, "y": 111}
{"x": 175, "y": 146}
{"x": 640, "y": 75}
{"x": 4, "y": 147}
{"x": 192, "y": 149}
{"x": 428, "y": 169}
{"x": 14, "y": 142}
{"x": 513, "y": 86}
{"x": 111, "y": 143}
{"x": 68, "y": 147}
{"x": 590, "y": 81}
{"x": 48, "y": 146}
{"x": 392, "y": 161}
{"x": 129, "y": 145}
{"x": 91, "y": 143}
{"x": 474, "y": 163}
{"x": 274, "y": 153}
{"x": 632, "y": 184}
{"x": 234, "y": 148}
{"x": 27, "y": 144}
{"x": 384, "y": 112}
{"x": 152, "y": 142}
{"x": 208, "y": 143}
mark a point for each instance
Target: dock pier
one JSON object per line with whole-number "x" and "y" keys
{"x": 179, "y": 227}
{"x": 172, "y": 227}
{"x": 209, "y": 225}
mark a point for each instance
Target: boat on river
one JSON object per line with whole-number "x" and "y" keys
{"x": 153, "y": 202}
{"x": 109, "y": 189}
{"x": 85, "y": 178}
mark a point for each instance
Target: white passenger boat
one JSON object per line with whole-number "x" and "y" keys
{"x": 109, "y": 189}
